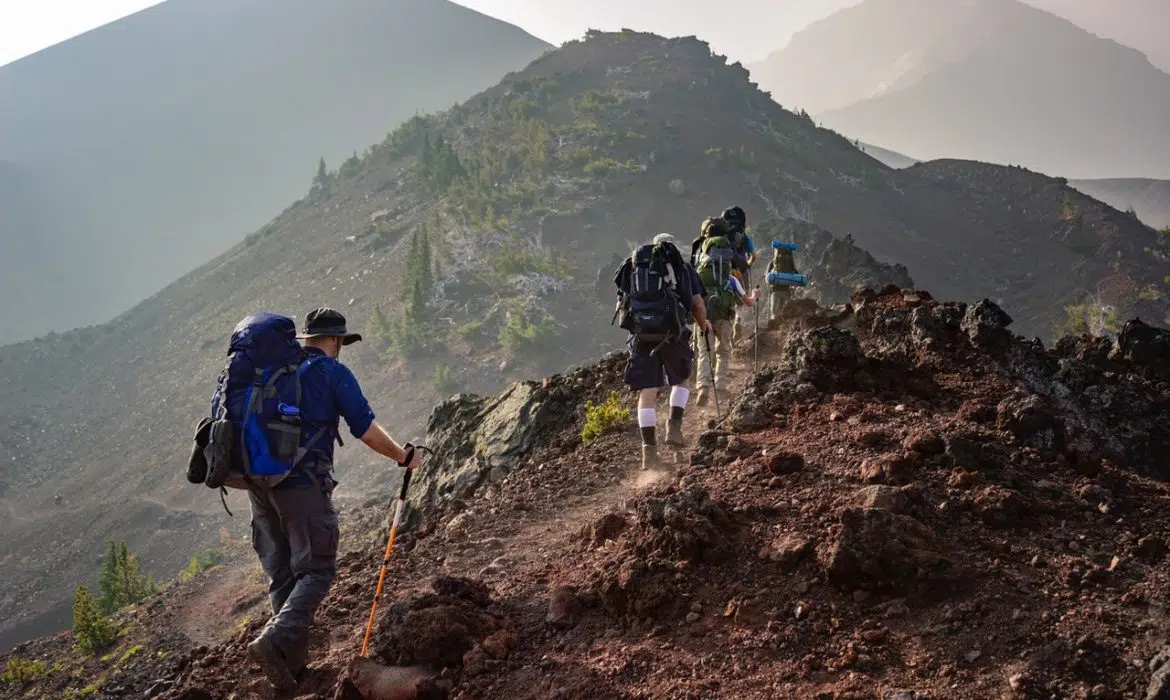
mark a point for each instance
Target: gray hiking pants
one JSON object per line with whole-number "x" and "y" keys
{"x": 295, "y": 533}
{"x": 778, "y": 296}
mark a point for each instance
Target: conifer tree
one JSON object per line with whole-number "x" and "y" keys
{"x": 92, "y": 629}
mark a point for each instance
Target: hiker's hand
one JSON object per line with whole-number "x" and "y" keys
{"x": 412, "y": 457}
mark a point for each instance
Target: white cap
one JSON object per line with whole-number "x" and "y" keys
{"x": 665, "y": 238}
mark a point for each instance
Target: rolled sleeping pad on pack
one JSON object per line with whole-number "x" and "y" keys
{"x": 782, "y": 244}
{"x": 790, "y": 279}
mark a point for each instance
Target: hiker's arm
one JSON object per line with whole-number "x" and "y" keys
{"x": 699, "y": 311}
{"x": 377, "y": 439}
{"x": 352, "y": 405}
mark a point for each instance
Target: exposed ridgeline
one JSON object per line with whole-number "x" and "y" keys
{"x": 1149, "y": 199}
{"x": 931, "y": 507}
{"x": 470, "y": 241}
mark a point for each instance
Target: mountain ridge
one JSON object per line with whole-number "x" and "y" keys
{"x": 988, "y": 81}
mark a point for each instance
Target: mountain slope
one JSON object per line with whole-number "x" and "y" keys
{"x": 1150, "y": 199}
{"x": 167, "y": 135}
{"x": 525, "y": 193}
{"x": 1137, "y": 23}
{"x": 991, "y": 80}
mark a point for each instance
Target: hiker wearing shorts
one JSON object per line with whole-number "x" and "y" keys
{"x": 295, "y": 528}
{"x": 656, "y": 362}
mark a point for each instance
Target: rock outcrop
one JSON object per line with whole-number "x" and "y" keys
{"x": 479, "y": 440}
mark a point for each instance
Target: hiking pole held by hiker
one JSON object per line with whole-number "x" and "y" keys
{"x": 756, "y": 334}
{"x": 711, "y": 371}
{"x": 399, "y": 510}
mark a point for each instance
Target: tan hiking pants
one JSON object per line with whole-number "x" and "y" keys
{"x": 721, "y": 349}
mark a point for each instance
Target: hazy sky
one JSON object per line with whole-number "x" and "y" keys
{"x": 743, "y": 29}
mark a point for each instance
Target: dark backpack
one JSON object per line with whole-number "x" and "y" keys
{"x": 651, "y": 305}
{"x": 253, "y": 437}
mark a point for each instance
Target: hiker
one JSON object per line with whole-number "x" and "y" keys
{"x": 742, "y": 243}
{"x": 659, "y": 295}
{"x": 717, "y": 260}
{"x": 294, "y": 524}
{"x": 780, "y": 294}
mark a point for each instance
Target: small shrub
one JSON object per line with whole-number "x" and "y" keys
{"x": 444, "y": 380}
{"x": 202, "y": 561}
{"x": 20, "y": 671}
{"x": 130, "y": 653}
{"x": 604, "y": 417}
{"x": 520, "y": 334}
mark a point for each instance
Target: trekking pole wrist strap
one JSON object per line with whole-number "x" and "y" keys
{"x": 408, "y": 454}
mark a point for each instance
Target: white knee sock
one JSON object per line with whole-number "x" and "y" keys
{"x": 679, "y": 396}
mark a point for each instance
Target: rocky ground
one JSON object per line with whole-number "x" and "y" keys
{"x": 925, "y": 507}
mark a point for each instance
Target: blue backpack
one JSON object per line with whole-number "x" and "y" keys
{"x": 254, "y": 434}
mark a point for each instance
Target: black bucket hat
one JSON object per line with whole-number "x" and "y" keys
{"x": 327, "y": 322}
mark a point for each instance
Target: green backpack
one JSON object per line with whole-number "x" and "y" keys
{"x": 783, "y": 261}
{"x": 714, "y": 268}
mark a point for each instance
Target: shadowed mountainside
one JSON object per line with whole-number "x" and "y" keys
{"x": 161, "y": 138}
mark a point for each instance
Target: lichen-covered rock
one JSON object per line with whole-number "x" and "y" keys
{"x": 1146, "y": 348}
{"x": 986, "y": 324}
{"x": 827, "y": 358}
{"x": 1030, "y": 420}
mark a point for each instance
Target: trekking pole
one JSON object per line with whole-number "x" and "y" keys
{"x": 399, "y": 509}
{"x": 711, "y": 371}
{"x": 756, "y": 334}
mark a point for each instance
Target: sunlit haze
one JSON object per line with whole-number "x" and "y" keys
{"x": 746, "y": 30}
{"x": 27, "y": 26}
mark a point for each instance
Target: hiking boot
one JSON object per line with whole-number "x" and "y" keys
{"x": 701, "y": 398}
{"x": 650, "y": 457}
{"x": 674, "y": 436}
{"x": 271, "y": 662}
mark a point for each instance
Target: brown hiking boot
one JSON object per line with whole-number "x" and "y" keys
{"x": 271, "y": 662}
{"x": 650, "y": 457}
{"x": 674, "y": 436}
{"x": 701, "y": 398}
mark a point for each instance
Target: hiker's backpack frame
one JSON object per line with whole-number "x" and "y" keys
{"x": 719, "y": 260}
{"x": 651, "y": 306}
{"x": 255, "y": 436}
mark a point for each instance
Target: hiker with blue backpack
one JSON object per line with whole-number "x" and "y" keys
{"x": 782, "y": 278}
{"x": 718, "y": 261}
{"x": 659, "y": 295}
{"x": 275, "y": 417}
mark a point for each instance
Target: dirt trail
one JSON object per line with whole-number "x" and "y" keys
{"x": 539, "y": 539}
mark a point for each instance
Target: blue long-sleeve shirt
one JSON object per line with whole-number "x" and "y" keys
{"x": 329, "y": 393}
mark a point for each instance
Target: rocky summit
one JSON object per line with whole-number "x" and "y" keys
{"x": 925, "y": 506}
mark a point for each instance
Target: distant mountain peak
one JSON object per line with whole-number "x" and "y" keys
{"x": 992, "y": 80}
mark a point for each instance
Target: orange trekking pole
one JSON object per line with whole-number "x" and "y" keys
{"x": 399, "y": 509}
